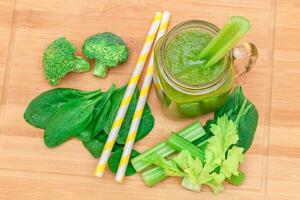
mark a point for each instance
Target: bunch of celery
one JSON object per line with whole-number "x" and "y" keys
{"x": 211, "y": 164}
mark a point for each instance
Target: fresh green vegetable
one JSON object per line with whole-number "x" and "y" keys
{"x": 235, "y": 110}
{"x": 179, "y": 144}
{"x": 190, "y": 133}
{"x": 153, "y": 176}
{"x": 237, "y": 179}
{"x": 65, "y": 113}
{"x": 147, "y": 120}
{"x": 43, "y": 107}
{"x": 72, "y": 118}
{"x": 244, "y": 115}
{"x": 107, "y": 49}
{"x": 222, "y": 158}
{"x": 102, "y": 120}
{"x": 59, "y": 59}
{"x": 97, "y": 123}
{"x": 96, "y": 144}
{"x": 170, "y": 167}
{"x": 225, "y": 40}
{"x": 114, "y": 160}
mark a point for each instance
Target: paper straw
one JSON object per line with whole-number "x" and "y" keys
{"x": 140, "y": 104}
{"x": 128, "y": 95}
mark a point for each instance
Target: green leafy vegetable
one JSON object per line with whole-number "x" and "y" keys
{"x": 114, "y": 160}
{"x": 243, "y": 113}
{"x": 69, "y": 121}
{"x": 73, "y": 94}
{"x": 222, "y": 159}
{"x": 86, "y": 115}
{"x": 97, "y": 123}
{"x": 95, "y": 145}
{"x": 102, "y": 120}
{"x": 147, "y": 120}
{"x": 43, "y": 107}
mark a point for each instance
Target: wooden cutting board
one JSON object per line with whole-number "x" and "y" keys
{"x": 29, "y": 170}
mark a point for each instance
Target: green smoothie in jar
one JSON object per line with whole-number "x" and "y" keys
{"x": 182, "y": 53}
{"x": 186, "y": 85}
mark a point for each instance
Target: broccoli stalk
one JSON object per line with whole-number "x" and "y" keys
{"x": 100, "y": 69}
{"x": 81, "y": 65}
{"x": 107, "y": 49}
{"x": 59, "y": 59}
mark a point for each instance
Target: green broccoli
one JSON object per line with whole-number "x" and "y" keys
{"x": 59, "y": 59}
{"x": 107, "y": 49}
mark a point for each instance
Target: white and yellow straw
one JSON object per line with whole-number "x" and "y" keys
{"x": 140, "y": 104}
{"x": 128, "y": 95}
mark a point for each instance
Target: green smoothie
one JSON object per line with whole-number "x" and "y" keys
{"x": 181, "y": 58}
{"x": 193, "y": 66}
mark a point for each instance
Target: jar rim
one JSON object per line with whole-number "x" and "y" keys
{"x": 189, "y": 88}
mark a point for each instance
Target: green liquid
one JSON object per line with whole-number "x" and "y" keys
{"x": 181, "y": 58}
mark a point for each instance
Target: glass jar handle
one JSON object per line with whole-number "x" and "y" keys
{"x": 245, "y": 56}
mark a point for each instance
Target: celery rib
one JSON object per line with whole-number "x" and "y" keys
{"x": 153, "y": 176}
{"x": 179, "y": 143}
{"x": 190, "y": 133}
{"x": 225, "y": 40}
{"x": 237, "y": 180}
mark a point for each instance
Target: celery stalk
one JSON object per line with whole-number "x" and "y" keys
{"x": 179, "y": 143}
{"x": 236, "y": 180}
{"x": 190, "y": 133}
{"x": 225, "y": 40}
{"x": 153, "y": 176}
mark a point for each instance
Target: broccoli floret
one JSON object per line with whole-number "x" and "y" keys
{"x": 59, "y": 59}
{"x": 107, "y": 49}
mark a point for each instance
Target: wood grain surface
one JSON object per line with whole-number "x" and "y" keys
{"x": 30, "y": 171}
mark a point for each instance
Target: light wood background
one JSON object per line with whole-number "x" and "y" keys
{"x": 30, "y": 171}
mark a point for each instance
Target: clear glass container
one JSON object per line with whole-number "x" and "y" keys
{"x": 179, "y": 99}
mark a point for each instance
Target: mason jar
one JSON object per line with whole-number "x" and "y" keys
{"x": 180, "y": 99}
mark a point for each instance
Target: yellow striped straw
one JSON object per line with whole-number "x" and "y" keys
{"x": 128, "y": 95}
{"x": 140, "y": 104}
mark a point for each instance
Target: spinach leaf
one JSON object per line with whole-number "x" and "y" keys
{"x": 242, "y": 112}
{"x": 114, "y": 160}
{"x": 232, "y": 104}
{"x": 87, "y": 133}
{"x": 69, "y": 121}
{"x": 95, "y": 145}
{"x": 97, "y": 122}
{"x": 103, "y": 117}
{"x": 147, "y": 120}
{"x": 43, "y": 107}
{"x": 71, "y": 94}
{"x": 247, "y": 124}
